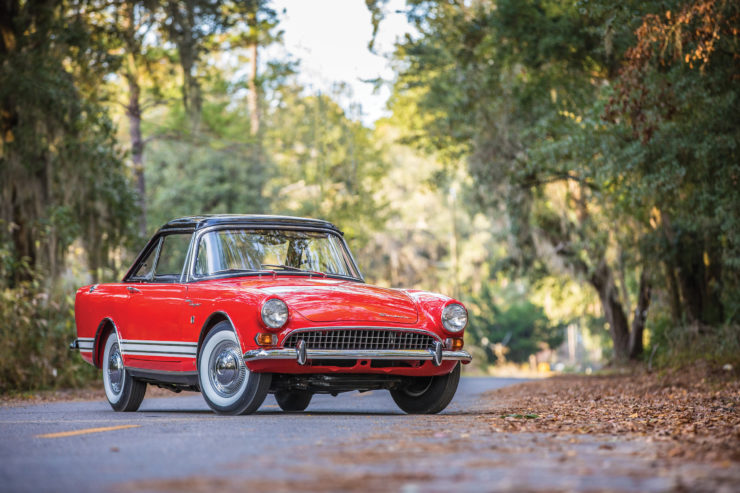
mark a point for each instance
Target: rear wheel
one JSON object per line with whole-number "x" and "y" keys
{"x": 225, "y": 381}
{"x": 124, "y": 393}
{"x": 293, "y": 400}
{"x": 427, "y": 395}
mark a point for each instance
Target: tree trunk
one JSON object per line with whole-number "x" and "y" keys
{"x": 253, "y": 97}
{"x": 184, "y": 37}
{"x": 640, "y": 317}
{"x": 191, "y": 88}
{"x": 687, "y": 266}
{"x": 713, "y": 313}
{"x": 133, "y": 111}
{"x": 23, "y": 244}
{"x": 675, "y": 297}
{"x": 690, "y": 279}
{"x": 603, "y": 281}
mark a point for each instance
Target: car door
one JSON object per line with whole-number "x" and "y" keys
{"x": 156, "y": 322}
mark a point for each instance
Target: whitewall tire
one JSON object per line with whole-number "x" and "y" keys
{"x": 124, "y": 393}
{"x": 225, "y": 381}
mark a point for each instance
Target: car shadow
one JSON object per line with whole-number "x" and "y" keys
{"x": 157, "y": 412}
{"x": 323, "y": 412}
{"x": 175, "y": 411}
{"x": 308, "y": 412}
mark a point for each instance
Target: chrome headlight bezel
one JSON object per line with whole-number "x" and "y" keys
{"x": 454, "y": 318}
{"x": 274, "y": 313}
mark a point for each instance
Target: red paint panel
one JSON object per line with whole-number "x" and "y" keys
{"x": 155, "y": 312}
{"x": 331, "y": 300}
{"x": 348, "y": 302}
{"x": 91, "y": 308}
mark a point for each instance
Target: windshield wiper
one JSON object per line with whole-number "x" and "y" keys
{"x": 293, "y": 269}
{"x": 234, "y": 271}
{"x": 281, "y": 266}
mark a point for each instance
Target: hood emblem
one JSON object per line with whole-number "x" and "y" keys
{"x": 392, "y": 316}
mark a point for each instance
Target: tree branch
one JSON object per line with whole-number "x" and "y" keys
{"x": 530, "y": 182}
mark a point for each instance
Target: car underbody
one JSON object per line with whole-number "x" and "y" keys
{"x": 316, "y": 383}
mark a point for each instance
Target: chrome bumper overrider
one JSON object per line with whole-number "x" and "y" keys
{"x": 302, "y": 355}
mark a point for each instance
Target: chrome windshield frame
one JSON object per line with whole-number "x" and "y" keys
{"x": 198, "y": 236}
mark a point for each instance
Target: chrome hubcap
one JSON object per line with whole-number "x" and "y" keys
{"x": 115, "y": 369}
{"x": 226, "y": 369}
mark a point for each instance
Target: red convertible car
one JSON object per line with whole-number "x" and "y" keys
{"x": 237, "y": 307}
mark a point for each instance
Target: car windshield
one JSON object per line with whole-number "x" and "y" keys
{"x": 238, "y": 251}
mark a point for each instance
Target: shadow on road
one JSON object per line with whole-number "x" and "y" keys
{"x": 399, "y": 414}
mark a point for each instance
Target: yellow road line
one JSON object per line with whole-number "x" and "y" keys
{"x": 85, "y": 431}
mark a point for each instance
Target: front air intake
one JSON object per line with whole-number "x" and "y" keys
{"x": 360, "y": 339}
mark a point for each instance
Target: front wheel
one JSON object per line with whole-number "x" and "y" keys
{"x": 427, "y": 395}
{"x": 124, "y": 393}
{"x": 293, "y": 400}
{"x": 225, "y": 381}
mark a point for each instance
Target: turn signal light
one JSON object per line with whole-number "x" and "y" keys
{"x": 454, "y": 344}
{"x": 263, "y": 339}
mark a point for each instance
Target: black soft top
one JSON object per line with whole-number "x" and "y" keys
{"x": 199, "y": 222}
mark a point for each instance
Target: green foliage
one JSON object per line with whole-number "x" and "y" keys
{"x": 326, "y": 163}
{"x": 605, "y": 132}
{"x": 61, "y": 176}
{"x": 514, "y": 322}
{"x": 677, "y": 346}
{"x": 218, "y": 170}
{"x": 36, "y": 328}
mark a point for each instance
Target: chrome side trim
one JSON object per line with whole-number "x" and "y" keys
{"x": 171, "y": 349}
{"x": 158, "y": 342}
{"x": 162, "y": 354}
{"x": 390, "y": 354}
{"x": 84, "y": 343}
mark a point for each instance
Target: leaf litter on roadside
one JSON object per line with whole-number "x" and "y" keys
{"x": 695, "y": 411}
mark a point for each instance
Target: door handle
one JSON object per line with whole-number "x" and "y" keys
{"x": 132, "y": 289}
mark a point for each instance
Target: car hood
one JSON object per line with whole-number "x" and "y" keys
{"x": 346, "y": 302}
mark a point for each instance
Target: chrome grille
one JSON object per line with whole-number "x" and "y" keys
{"x": 360, "y": 339}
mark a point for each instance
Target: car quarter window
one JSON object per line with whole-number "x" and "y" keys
{"x": 146, "y": 267}
{"x": 172, "y": 255}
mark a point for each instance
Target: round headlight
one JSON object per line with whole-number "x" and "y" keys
{"x": 454, "y": 317}
{"x": 274, "y": 313}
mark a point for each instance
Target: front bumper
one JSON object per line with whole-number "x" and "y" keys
{"x": 302, "y": 355}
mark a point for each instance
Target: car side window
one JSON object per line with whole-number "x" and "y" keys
{"x": 201, "y": 261}
{"x": 146, "y": 267}
{"x": 172, "y": 257}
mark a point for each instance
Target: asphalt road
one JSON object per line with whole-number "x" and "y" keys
{"x": 353, "y": 442}
{"x": 44, "y": 448}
